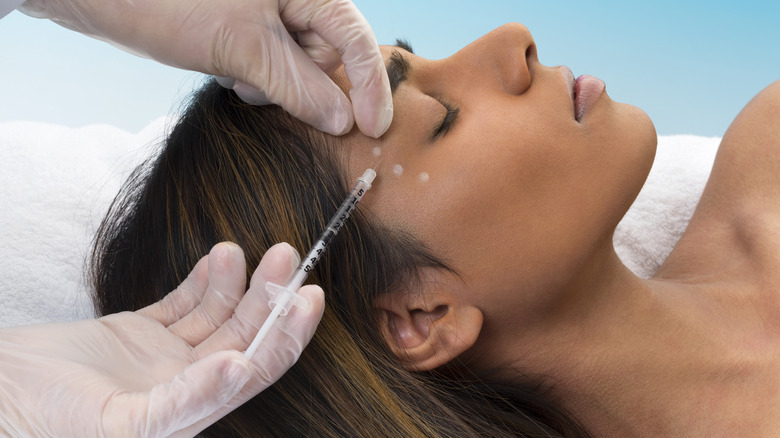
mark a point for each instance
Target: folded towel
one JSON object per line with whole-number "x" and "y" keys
{"x": 654, "y": 223}
{"x": 57, "y": 183}
{"x": 55, "y": 186}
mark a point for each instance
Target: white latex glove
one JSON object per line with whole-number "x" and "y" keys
{"x": 252, "y": 41}
{"x": 169, "y": 369}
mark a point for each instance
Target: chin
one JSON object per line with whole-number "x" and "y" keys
{"x": 647, "y": 140}
{"x": 635, "y": 152}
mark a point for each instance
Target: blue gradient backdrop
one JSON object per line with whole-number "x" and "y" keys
{"x": 690, "y": 65}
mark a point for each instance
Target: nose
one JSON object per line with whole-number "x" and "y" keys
{"x": 502, "y": 58}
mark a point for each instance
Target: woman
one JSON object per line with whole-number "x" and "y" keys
{"x": 477, "y": 292}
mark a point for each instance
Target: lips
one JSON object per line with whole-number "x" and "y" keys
{"x": 586, "y": 90}
{"x": 583, "y": 91}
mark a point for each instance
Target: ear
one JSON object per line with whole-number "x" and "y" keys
{"x": 427, "y": 328}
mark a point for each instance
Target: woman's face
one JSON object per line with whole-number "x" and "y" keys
{"x": 489, "y": 163}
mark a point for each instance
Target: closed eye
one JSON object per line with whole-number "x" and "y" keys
{"x": 449, "y": 119}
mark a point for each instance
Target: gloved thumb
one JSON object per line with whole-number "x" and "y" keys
{"x": 294, "y": 82}
{"x": 190, "y": 396}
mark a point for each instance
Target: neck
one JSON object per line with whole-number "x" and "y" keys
{"x": 631, "y": 357}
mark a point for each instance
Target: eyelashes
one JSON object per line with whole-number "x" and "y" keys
{"x": 449, "y": 119}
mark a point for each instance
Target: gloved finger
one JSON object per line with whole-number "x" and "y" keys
{"x": 183, "y": 299}
{"x": 297, "y": 84}
{"x": 250, "y": 94}
{"x": 236, "y": 334}
{"x": 190, "y": 396}
{"x": 246, "y": 92}
{"x": 225, "y": 81}
{"x": 287, "y": 339}
{"x": 342, "y": 26}
{"x": 321, "y": 53}
{"x": 227, "y": 283}
{"x": 279, "y": 351}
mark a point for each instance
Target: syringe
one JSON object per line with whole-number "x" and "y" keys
{"x": 284, "y": 297}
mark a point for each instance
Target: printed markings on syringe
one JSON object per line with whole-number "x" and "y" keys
{"x": 332, "y": 231}
{"x": 297, "y": 278}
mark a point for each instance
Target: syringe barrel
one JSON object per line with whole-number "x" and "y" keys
{"x": 336, "y": 223}
{"x": 289, "y": 291}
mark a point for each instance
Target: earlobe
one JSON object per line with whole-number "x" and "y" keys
{"x": 428, "y": 329}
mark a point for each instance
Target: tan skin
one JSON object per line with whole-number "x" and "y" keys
{"x": 522, "y": 200}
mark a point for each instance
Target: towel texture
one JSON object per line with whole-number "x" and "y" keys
{"x": 56, "y": 184}
{"x": 653, "y": 225}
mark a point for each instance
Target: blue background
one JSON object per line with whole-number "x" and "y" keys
{"x": 690, "y": 65}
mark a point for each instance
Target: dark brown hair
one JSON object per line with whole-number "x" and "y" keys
{"x": 256, "y": 176}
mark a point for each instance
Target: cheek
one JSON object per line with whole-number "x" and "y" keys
{"x": 528, "y": 156}
{"x": 627, "y": 143}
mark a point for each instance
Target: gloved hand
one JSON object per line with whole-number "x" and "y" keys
{"x": 252, "y": 41}
{"x": 168, "y": 369}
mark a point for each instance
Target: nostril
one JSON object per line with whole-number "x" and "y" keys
{"x": 530, "y": 52}
{"x": 516, "y": 68}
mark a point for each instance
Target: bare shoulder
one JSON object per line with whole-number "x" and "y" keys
{"x": 737, "y": 222}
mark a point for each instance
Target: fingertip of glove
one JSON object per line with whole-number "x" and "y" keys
{"x": 384, "y": 119}
{"x": 225, "y": 81}
{"x": 315, "y": 296}
{"x": 295, "y": 258}
{"x": 220, "y": 253}
{"x": 236, "y": 369}
{"x": 341, "y": 122}
{"x": 225, "y": 254}
{"x": 373, "y": 117}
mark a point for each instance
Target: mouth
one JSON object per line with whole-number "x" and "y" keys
{"x": 583, "y": 92}
{"x": 568, "y": 76}
{"x": 587, "y": 90}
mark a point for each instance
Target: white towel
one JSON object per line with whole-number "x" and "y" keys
{"x": 654, "y": 223}
{"x": 56, "y": 184}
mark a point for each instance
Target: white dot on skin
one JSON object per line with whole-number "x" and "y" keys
{"x": 423, "y": 177}
{"x": 377, "y": 151}
{"x": 398, "y": 170}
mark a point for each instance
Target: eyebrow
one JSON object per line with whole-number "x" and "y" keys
{"x": 398, "y": 66}
{"x": 404, "y": 44}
